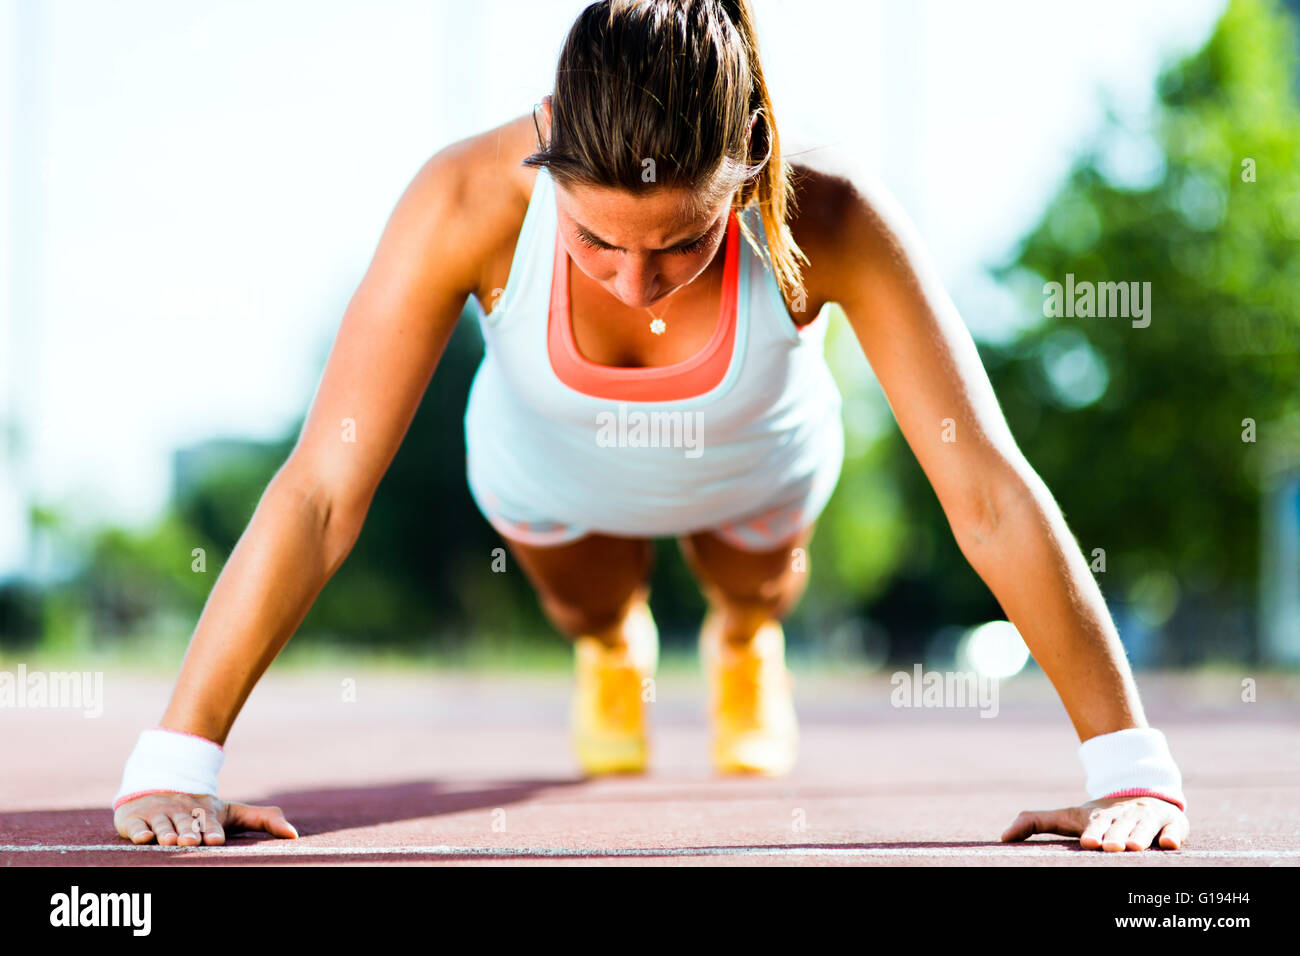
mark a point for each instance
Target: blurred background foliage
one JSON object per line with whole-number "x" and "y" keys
{"x": 1137, "y": 431}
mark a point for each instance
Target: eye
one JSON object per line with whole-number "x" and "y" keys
{"x": 699, "y": 245}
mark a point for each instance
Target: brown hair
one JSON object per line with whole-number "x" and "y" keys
{"x": 663, "y": 92}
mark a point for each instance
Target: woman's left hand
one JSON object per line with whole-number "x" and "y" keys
{"x": 1120, "y": 823}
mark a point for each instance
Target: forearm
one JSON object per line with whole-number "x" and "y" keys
{"x": 1034, "y": 567}
{"x": 290, "y": 549}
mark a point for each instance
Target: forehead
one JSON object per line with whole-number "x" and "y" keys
{"x": 628, "y": 218}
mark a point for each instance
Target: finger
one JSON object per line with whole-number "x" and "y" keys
{"x": 270, "y": 819}
{"x": 1144, "y": 833}
{"x": 209, "y": 827}
{"x": 1115, "y": 839}
{"x": 136, "y": 830}
{"x": 1173, "y": 834}
{"x": 187, "y": 831}
{"x": 163, "y": 830}
{"x": 1099, "y": 822}
{"x": 1029, "y": 822}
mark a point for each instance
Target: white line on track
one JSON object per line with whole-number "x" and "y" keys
{"x": 281, "y": 849}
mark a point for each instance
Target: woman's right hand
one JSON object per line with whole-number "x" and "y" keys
{"x": 188, "y": 819}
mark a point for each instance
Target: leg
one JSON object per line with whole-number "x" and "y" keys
{"x": 594, "y": 591}
{"x": 742, "y": 646}
{"x": 745, "y": 589}
{"x": 587, "y": 587}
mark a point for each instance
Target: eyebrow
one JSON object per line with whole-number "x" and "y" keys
{"x": 677, "y": 245}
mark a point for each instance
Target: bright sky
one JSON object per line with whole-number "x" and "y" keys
{"x": 194, "y": 190}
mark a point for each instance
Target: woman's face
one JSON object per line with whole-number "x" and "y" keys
{"x": 639, "y": 247}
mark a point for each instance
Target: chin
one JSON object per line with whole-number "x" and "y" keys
{"x": 630, "y": 305}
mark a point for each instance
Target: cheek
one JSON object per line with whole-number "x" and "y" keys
{"x": 683, "y": 269}
{"x": 677, "y": 269}
{"x": 680, "y": 268}
{"x": 597, "y": 265}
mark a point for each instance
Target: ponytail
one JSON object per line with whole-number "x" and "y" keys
{"x": 772, "y": 188}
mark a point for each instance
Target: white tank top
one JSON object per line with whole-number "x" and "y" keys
{"x": 751, "y": 421}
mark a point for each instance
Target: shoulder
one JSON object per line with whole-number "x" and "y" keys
{"x": 845, "y": 220}
{"x": 468, "y": 200}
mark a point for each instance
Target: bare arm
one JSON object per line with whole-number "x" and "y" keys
{"x": 1002, "y": 515}
{"x": 1004, "y": 519}
{"x": 391, "y": 338}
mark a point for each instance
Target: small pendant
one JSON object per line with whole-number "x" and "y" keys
{"x": 658, "y": 327}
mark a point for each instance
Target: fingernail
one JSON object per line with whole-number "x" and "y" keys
{"x": 295, "y": 830}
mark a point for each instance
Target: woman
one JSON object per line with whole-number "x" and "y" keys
{"x": 654, "y": 272}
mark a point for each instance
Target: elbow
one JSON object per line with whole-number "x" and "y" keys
{"x": 989, "y": 507}
{"x": 340, "y": 526}
{"x": 978, "y": 523}
{"x": 336, "y": 523}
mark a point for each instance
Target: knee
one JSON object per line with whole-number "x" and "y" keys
{"x": 577, "y": 617}
{"x": 766, "y": 584}
{"x": 595, "y": 596}
{"x": 773, "y": 596}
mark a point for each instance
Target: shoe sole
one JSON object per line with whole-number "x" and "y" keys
{"x": 603, "y": 758}
{"x": 755, "y": 757}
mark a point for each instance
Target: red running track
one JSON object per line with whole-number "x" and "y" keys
{"x": 450, "y": 768}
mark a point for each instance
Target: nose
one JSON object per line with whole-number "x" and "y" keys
{"x": 637, "y": 283}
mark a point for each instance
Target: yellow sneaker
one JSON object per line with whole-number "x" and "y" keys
{"x": 751, "y": 706}
{"x": 609, "y": 714}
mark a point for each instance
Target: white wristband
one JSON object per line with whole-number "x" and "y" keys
{"x": 1131, "y": 763}
{"x": 170, "y": 761}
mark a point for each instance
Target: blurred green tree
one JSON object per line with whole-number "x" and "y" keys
{"x": 1143, "y": 433}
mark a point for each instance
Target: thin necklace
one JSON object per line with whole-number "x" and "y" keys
{"x": 657, "y": 325}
